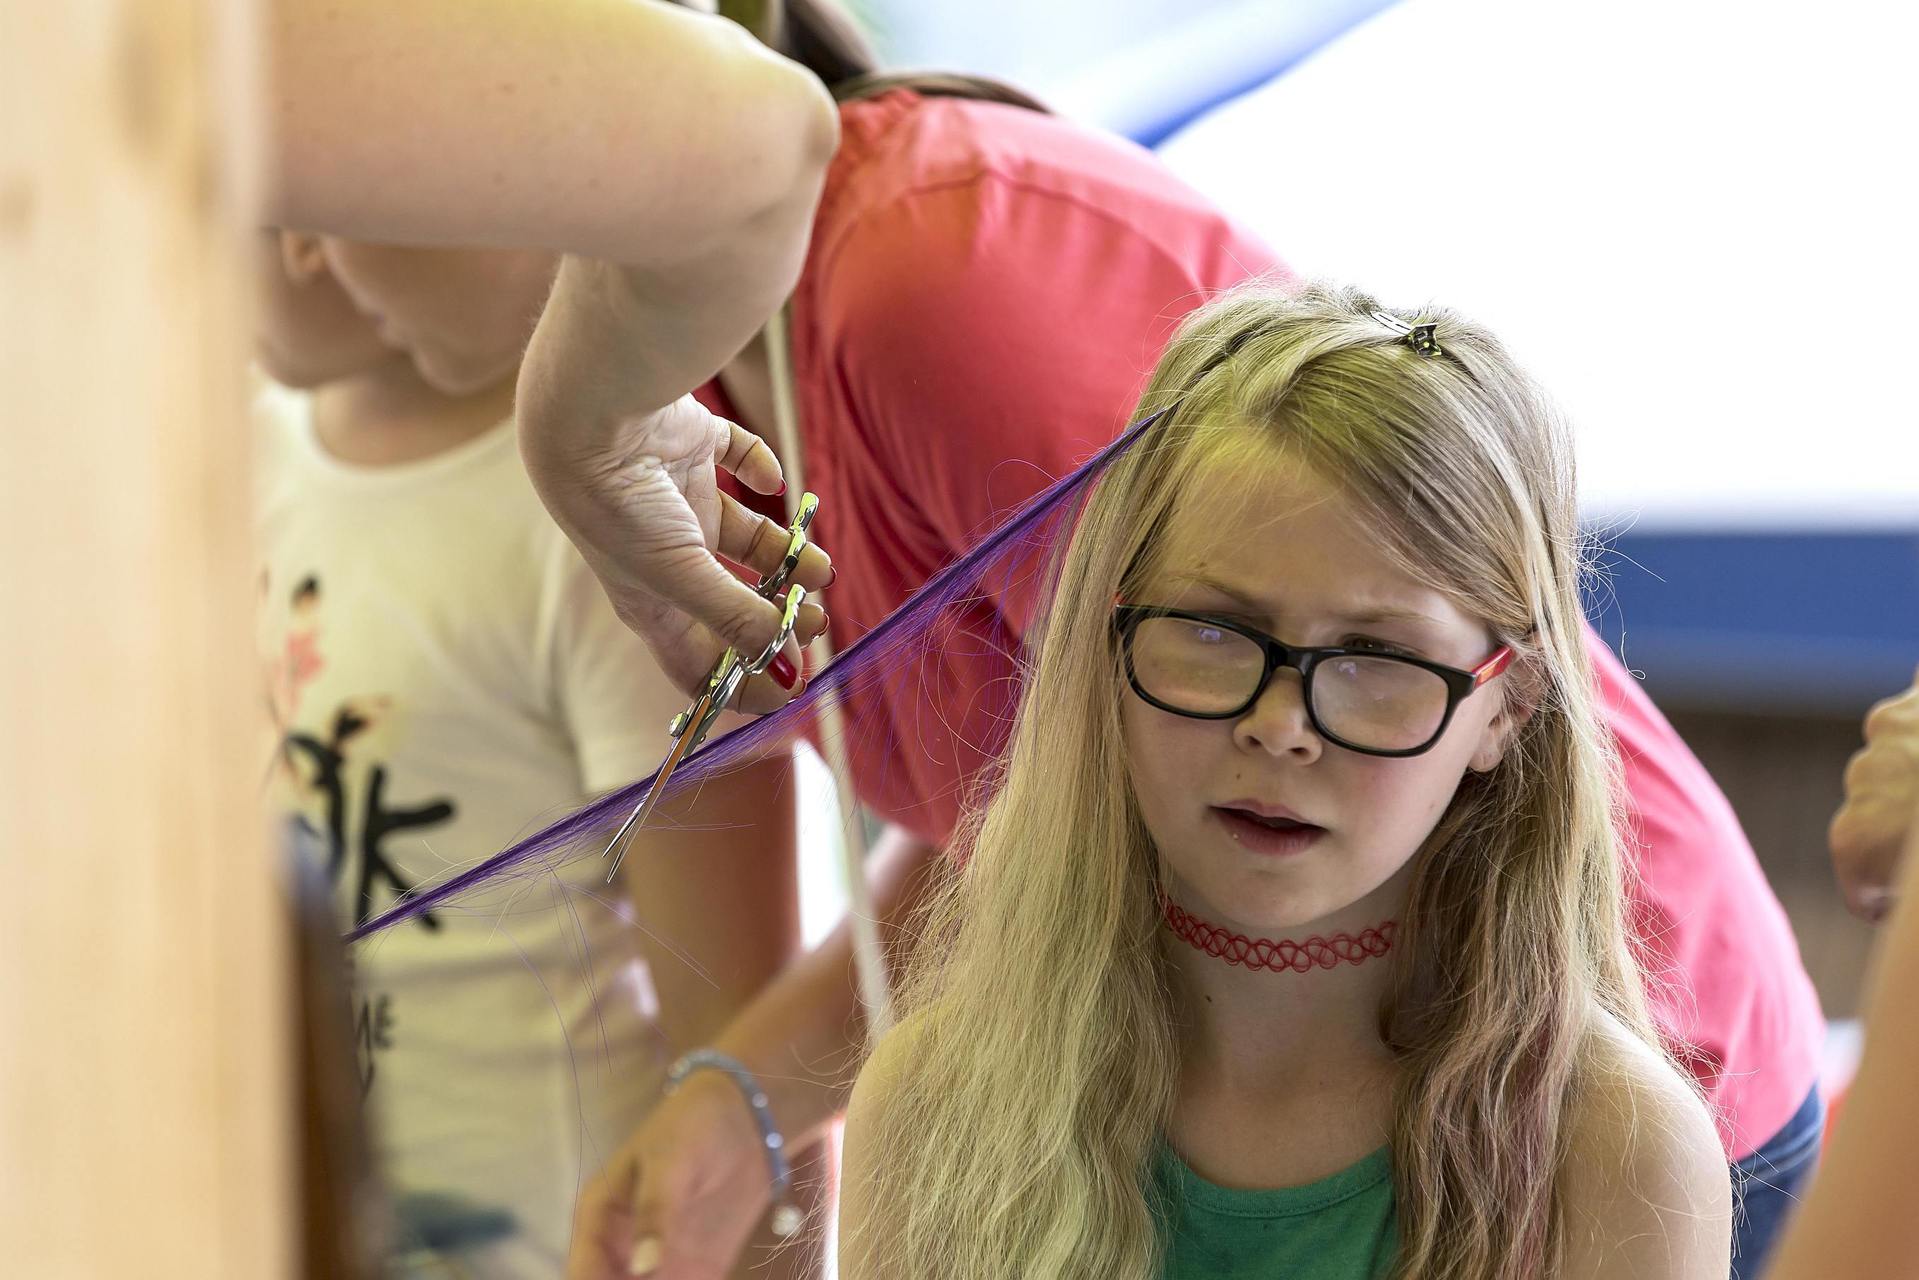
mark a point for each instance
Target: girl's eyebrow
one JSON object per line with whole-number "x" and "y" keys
{"x": 1364, "y": 614}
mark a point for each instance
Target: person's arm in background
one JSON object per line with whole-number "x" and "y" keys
{"x": 709, "y": 885}
{"x": 713, "y": 886}
{"x": 693, "y": 1179}
{"x": 1858, "y": 1219}
{"x": 674, "y": 157}
{"x": 1882, "y": 788}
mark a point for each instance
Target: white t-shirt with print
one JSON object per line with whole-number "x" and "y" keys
{"x": 445, "y": 676}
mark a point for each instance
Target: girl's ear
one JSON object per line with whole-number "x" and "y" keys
{"x": 301, "y": 257}
{"x": 1500, "y": 735}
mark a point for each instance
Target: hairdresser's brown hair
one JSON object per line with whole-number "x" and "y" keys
{"x": 823, "y": 37}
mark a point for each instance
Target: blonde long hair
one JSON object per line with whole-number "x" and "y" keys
{"x": 1037, "y": 1064}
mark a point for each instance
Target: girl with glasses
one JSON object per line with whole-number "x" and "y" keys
{"x": 1292, "y": 942}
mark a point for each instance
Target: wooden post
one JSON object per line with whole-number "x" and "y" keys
{"x": 144, "y": 1103}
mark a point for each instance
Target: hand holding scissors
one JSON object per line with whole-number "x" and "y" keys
{"x": 690, "y": 727}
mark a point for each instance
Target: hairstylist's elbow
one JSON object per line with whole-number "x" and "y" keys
{"x": 769, "y": 129}
{"x": 734, "y": 189}
{"x": 798, "y": 131}
{"x": 815, "y": 119}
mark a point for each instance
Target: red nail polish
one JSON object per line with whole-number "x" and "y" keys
{"x": 832, "y": 575}
{"x": 783, "y": 671}
{"x": 782, "y": 489}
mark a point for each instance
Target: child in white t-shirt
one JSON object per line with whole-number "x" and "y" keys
{"x": 444, "y": 674}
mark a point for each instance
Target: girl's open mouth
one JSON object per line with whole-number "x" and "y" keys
{"x": 1276, "y": 837}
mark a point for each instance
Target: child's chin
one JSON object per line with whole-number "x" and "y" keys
{"x": 1245, "y": 909}
{"x": 454, "y": 377}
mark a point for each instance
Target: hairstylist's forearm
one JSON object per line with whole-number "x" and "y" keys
{"x": 630, "y": 130}
{"x": 804, "y": 1036}
{"x": 713, "y": 891}
{"x": 617, "y": 342}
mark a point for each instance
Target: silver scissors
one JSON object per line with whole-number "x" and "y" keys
{"x": 690, "y": 727}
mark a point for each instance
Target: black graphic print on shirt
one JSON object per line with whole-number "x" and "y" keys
{"x": 361, "y": 846}
{"x": 329, "y": 771}
{"x": 339, "y": 796}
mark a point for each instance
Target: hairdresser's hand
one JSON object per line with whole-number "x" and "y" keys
{"x": 641, "y": 500}
{"x": 682, "y": 1198}
{"x": 628, "y": 462}
{"x": 1882, "y": 791}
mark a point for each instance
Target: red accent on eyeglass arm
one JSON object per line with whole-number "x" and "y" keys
{"x": 1493, "y": 665}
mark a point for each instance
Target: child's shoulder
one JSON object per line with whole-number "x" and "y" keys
{"x": 874, "y": 1097}
{"x": 1645, "y": 1190}
{"x": 897, "y": 1062}
{"x": 885, "y": 1068}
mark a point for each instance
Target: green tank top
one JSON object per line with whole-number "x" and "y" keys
{"x": 1338, "y": 1228}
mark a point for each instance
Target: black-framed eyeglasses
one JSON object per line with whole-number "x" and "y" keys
{"x": 1212, "y": 668}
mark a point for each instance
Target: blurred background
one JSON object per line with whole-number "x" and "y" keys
{"x": 1689, "y": 220}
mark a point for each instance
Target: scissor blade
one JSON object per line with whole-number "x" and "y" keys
{"x": 681, "y": 745}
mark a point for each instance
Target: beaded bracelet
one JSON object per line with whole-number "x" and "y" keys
{"x": 788, "y": 1217}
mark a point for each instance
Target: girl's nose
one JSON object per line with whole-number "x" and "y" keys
{"x": 1277, "y": 723}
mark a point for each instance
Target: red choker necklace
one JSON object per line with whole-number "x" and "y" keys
{"x": 1279, "y": 955}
